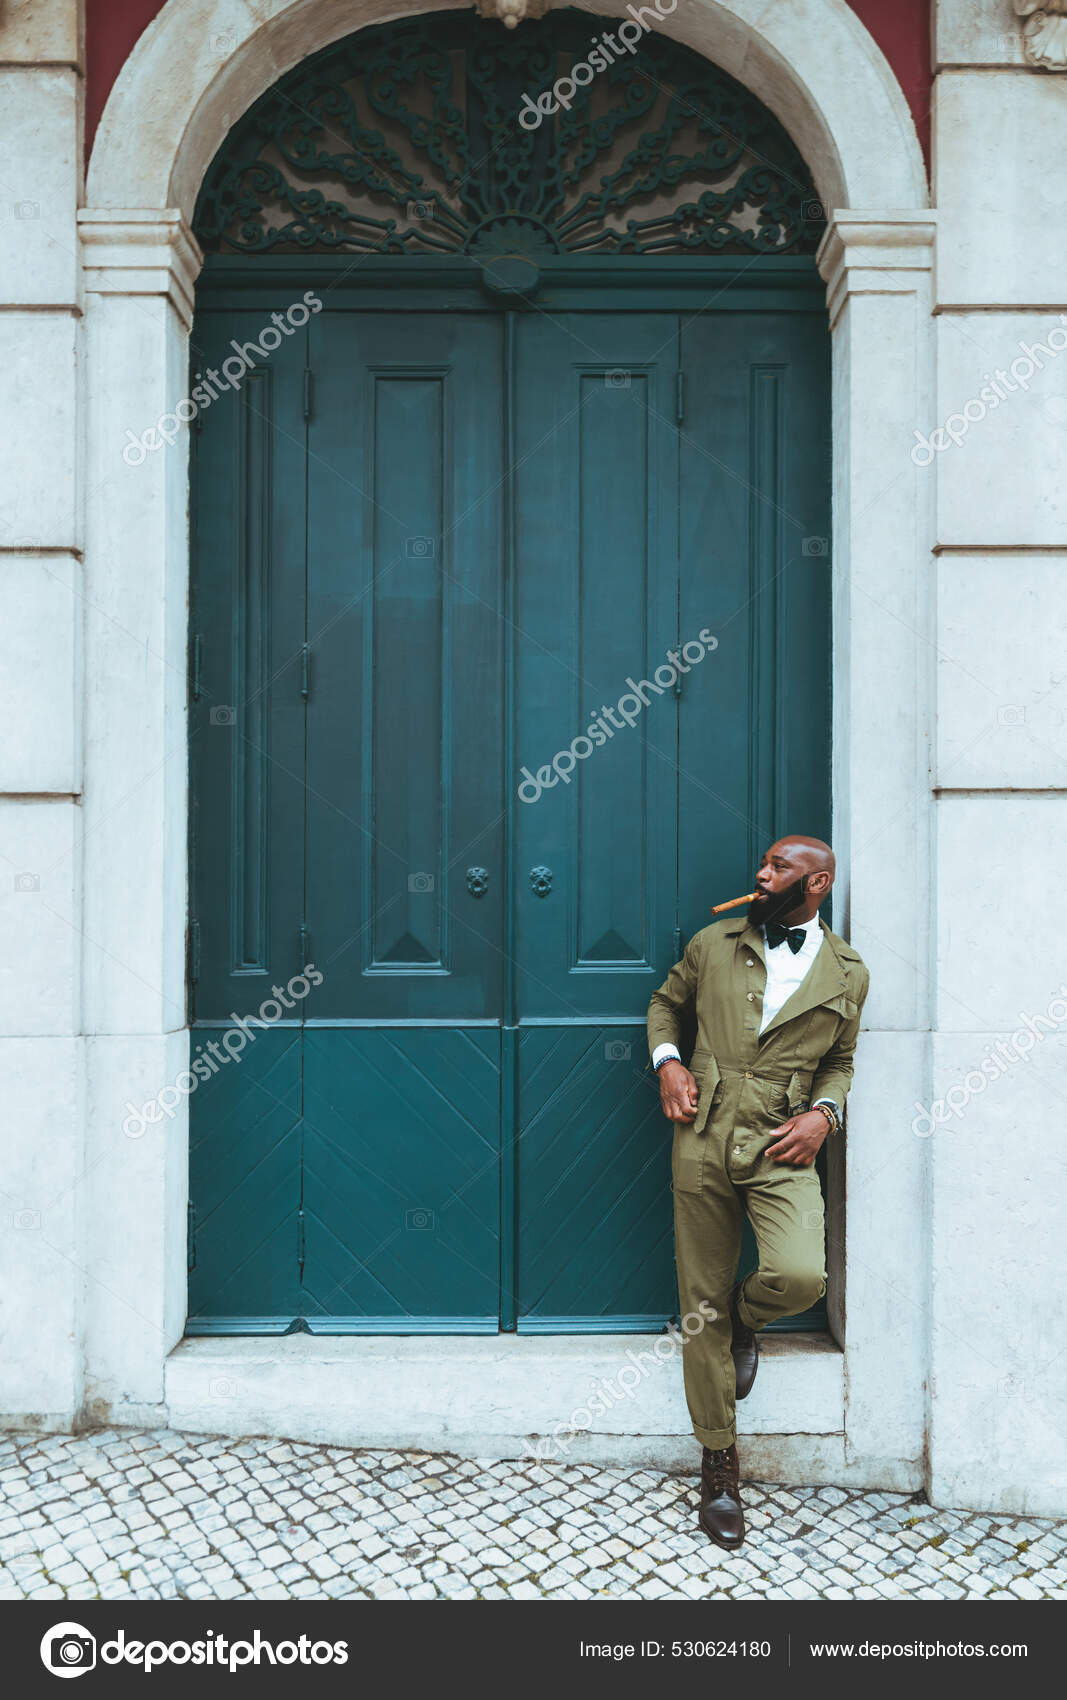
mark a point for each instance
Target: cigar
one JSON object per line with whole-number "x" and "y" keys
{"x": 717, "y": 908}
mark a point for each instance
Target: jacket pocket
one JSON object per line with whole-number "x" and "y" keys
{"x": 705, "y": 1071}
{"x": 798, "y": 1092}
{"x": 824, "y": 1025}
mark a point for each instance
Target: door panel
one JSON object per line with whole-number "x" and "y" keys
{"x": 595, "y": 1242}
{"x": 244, "y": 1180}
{"x": 402, "y": 1123}
{"x": 596, "y": 596}
{"x": 596, "y": 590}
{"x": 401, "y": 1194}
{"x": 404, "y": 711}
{"x": 246, "y": 712}
{"x": 754, "y": 728}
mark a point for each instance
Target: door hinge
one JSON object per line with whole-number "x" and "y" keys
{"x": 301, "y": 1243}
{"x": 190, "y": 1256}
{"x": 194, "y": 670}
{"x": 194, "y": 950}
{"x": 307, "y": 392}
{"x": 679, "y": 397}
{"x": 305, "y": 942}
{"x": 305, "y": 671}
{"x": 677, "y": 944}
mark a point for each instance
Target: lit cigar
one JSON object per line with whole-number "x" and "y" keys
{"x": 717, "y": 908}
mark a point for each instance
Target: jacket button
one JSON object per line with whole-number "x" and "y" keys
{"x": 750, "y": 963}
{"x": 750, "y": 996}
{"x": 748, "y": 1074}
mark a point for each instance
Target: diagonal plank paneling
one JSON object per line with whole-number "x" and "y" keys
{"x": 401, "y": 1177}
{"x": 595, "y": 1233}
{"x": 244, "y": 1183}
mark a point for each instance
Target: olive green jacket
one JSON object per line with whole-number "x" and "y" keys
{"x": 806, "y": 1051}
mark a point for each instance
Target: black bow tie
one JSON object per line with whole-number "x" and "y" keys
{"x": 777, "y": 934}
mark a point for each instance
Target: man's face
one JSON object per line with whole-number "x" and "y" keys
{"x": 779, "y": 884}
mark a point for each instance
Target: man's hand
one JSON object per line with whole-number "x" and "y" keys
{"x": 678, "y": 1092}
{"x": 798, "y": 1139}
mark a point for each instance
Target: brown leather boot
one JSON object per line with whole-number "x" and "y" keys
{"x": 744, "y": 1349}
{"x": 721, "y": 1516}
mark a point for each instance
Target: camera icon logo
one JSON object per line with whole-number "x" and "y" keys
{"x": 419, "y": 548}
{"x": 420, "y": 1220}
{"x": 812, "y": 210}
{"x": 27, "y": 209}
{"x": 619, "y": 379}
{"x": 815, "y": 546}
{"x": 617, "y": 1050}
{"x": 420, "y": 209}
{"x": 420, "y": 882}
{"x": 224, "y": 715}
{"x": 1011, "y": 714}
{"x": 68, "y": 1649}
{"x": 27, "y": 882}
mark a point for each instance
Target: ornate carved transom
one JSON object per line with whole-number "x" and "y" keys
{"x": 405, "y": 140}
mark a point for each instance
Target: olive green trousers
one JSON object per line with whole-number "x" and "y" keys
{"x": 719, "y": 1175}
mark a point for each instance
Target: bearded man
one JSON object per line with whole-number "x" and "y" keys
{"x": 777, "y": 999}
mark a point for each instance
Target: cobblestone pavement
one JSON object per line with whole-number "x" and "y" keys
{"x": 119, "y": 1515}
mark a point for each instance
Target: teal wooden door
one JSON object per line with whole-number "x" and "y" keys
{"x": 436, "y": 584}
{"x": 401, "y": 1141}
{"x": 596, "y": 598}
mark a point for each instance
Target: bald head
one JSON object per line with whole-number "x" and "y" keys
{"x": 814, "y": 854}
{"x": 794, "y": 877}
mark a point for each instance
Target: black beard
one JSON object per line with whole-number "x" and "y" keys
{"x": 764, "y": 909}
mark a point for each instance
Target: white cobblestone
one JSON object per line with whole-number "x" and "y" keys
{"x": 268, "y": 1520}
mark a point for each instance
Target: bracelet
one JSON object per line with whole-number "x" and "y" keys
{"x": 831, "y": 1115}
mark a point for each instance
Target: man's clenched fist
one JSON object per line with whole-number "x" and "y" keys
{"x": 678, "y": 1092}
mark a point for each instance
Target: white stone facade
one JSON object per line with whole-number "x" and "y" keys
{"x": 949, "y": 1368}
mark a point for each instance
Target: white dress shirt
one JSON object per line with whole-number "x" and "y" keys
{"x": 786, "y": 970}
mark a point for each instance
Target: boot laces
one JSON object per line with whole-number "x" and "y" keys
{"x": 720, "y": 1470}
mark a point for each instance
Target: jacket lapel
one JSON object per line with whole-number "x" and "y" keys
{"x": 824, "y": 981}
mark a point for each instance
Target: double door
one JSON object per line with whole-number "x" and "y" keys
{"x": 510, "y": 642}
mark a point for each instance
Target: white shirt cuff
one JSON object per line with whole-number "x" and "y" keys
{"x": 662, "y": 1052}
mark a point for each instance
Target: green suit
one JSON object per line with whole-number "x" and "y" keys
{"x": 748, "y": 1084}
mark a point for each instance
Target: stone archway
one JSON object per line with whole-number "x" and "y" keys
{"x": 177, "y": 96}
{"x": 181, "y": 90}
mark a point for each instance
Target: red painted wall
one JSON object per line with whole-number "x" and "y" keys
{"x": 900, "y": 27}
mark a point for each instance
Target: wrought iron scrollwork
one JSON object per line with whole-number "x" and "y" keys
{"x": 404, "y": 139}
